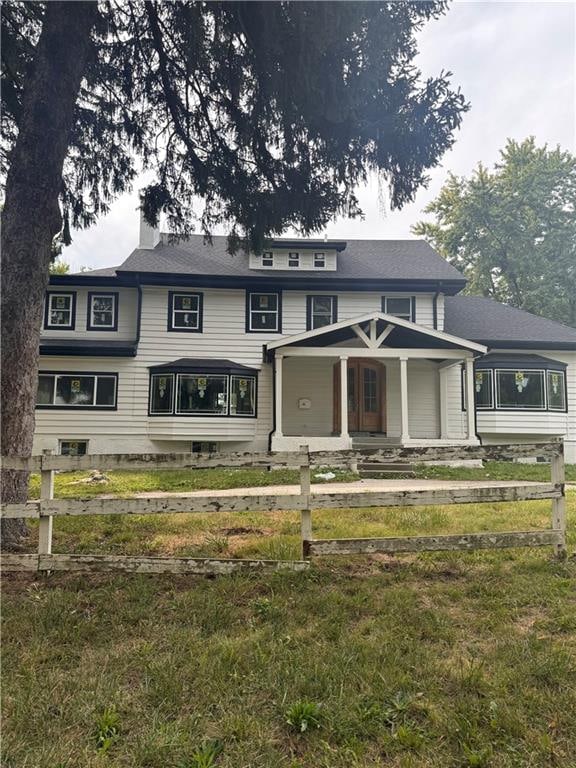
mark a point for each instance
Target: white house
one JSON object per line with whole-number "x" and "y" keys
{"x": 327, "y": 343}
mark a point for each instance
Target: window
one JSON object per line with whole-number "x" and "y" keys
{"x": 60, "y": 311}
{"x": 242, "y": 396}
{"x": 73, "y": 447}
{"x": 185, "y": 312}
{"x": 76, "y": 390}
{"x": 520, "y": 389}
{"x": 556, "y": 386}
{"x": 268, "y": 259}
{"x": 321, "y": 311}
{"x": 263, "y": 313}
{"x": 201, "y": 394}
{"x": 319, "y": 260}
{"x": 293, "y": 260}
{"x": 102, "y": 312}
{"x": 161, "y": 394}
{"x": 483, "y": 389}
{"x": 401, "y": 307}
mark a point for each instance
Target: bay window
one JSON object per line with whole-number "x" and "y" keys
{"x": 483, "y": 389}
{"x": 520, "y": 389}
{"x": 556, "y": 388}
{"x": 202, "y": 394}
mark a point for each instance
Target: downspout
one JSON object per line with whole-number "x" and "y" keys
{"x": 273, "y": 404}
{"x": 138, "y": 312}
{"x": 435, "y": 309}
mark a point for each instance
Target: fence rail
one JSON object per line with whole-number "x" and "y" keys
{"x": 303, "y": 500}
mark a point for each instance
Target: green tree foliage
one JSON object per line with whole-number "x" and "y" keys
{"x": 512, "y": 230}
{"x": 261, "y": 115}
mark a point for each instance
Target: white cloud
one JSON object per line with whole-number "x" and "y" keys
{"x": 515, "y": 63}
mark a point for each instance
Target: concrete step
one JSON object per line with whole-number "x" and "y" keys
{"x": 386, "y": 474}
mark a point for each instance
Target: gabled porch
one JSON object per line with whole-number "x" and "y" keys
{"x": 374, "y": 378}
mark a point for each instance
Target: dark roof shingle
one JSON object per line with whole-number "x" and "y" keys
{"x": 498, "y": 325}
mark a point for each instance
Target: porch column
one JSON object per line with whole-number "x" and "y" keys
{"x": 343, "y": 395}
{"x": 470, "y": 399}
{"x": 404, "y": 431}
{"x": 278, "y": 395}
{"x": 443, "y": 382}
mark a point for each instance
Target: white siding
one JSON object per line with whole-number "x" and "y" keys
{"x": 127, "y": 314}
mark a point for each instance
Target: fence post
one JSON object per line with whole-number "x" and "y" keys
{"x": 559, "y": 505}
{"x": 45, "y": 523}
{"x": 306, "y": 514}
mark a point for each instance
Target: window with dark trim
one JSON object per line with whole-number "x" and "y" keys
{"x": 402, "y": 307}
{"x": 556, "y": 389}
{"x": 267, "y": 259}
{"x": 293, "y": 260}
{"x": 185, "y": 312}
{"x": 202, "y": 394}
{"x": 73, "y": 447}
{"x": 60, "y": 310}
{"x": 525, "y": 389}
{"x": 263, "y": 313}
{"x": 319, "y": 260}
{"x": 77, "y": 390}
{"x": 321, "y": 311}
{"x": 102, "y": 312}
{"x": 483, "y": 394}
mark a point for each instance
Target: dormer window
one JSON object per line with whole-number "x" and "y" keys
{"x": 319, "y": 260}
{"x": 268, "y": 259}
{"x": 293, "y": 260}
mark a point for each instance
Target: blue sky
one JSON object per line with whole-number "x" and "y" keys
{"x": 516, "y": 65}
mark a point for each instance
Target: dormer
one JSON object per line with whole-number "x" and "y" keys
{"x": 299, "y": 256}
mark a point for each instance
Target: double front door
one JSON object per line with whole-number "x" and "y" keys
{"x": 366, "y": 396}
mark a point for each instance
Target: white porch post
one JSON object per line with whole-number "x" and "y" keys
{"x": 278, "y": 395}
{"x": 443, "y": 382}
{"x": 470, "y": 399}
{"x": 344, "y": 396}
{"x": 404, "y": 431}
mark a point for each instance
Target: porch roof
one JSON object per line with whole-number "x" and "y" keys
{"x": 377, "y": 329}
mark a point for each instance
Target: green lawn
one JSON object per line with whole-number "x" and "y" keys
{"x": 438, "y": 660}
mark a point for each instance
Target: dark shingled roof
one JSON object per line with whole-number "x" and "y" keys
{"x": 498, "y": 325}
{"x": 102, "y": 272}
{"x": 205, "y": 365}
{"x": 88, "y": 347}
{"x": 360, "y": 260}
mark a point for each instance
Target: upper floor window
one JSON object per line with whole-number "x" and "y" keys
{"x": 402, "y": 307}
{"x": 102, "y": 312}
{"x": 60, "y": 311}
{"x": 294, "y": 260}
{"x": 185, "y": 312}
{"x": 77, "y": 390}
{"x": 321, "y": 311}
{"x": 319, "y": 260}
{"x": 267, "y": 259}
{"x": 263, "y": 313}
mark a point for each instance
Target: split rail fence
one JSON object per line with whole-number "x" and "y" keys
{"x": 47, "y": 508}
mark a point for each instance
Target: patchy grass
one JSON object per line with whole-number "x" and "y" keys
{"x": 496, "y": 470}
{"x": 445, "y": 659}
{"x": 68, "y": 484}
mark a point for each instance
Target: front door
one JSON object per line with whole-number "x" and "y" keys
{"x": 366, "y": 396}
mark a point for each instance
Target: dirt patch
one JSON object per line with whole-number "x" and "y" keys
{"x": 244, "y": 531}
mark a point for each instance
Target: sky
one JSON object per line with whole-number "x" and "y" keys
{"x": 515, "y": 63}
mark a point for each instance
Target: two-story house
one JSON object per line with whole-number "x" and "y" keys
{"x": 319, "y": 342}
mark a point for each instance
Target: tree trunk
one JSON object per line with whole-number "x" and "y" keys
{"x": 30, "y": 219}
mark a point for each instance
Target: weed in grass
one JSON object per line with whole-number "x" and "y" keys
{"x": 408, "y": 737}
{"x": 475, "y": 757}
{"x": 205, "y": 756}
{"x": 107, "y": 730}
{"x": 303, "y": 715}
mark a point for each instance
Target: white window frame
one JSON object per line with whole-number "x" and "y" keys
{"x": 268, "y": 259}
{"x": 315, "y": 296}
{"x": 562, "y": 375}
{"x": 69, "y": 326}
{"x": 294, "y": 256}
{"x": 198, "y": 311}
{"x": 93, "y": 326}
{"x": 320, "y": 260}
{"x": 254, "y": 383}
{"x": 79, "y": 406}
{"x": 490, "y": 373}
{"x": 67, "y": 440}
{"x": 531, "y": 408}
{"x": 218, "y": 414}
{"x": 412, "y": 313}
{"x": 159, "y": 376}
{"x": 276, "y": 312}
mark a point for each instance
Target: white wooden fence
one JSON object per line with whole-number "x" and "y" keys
{"x": 47, "y": 508}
